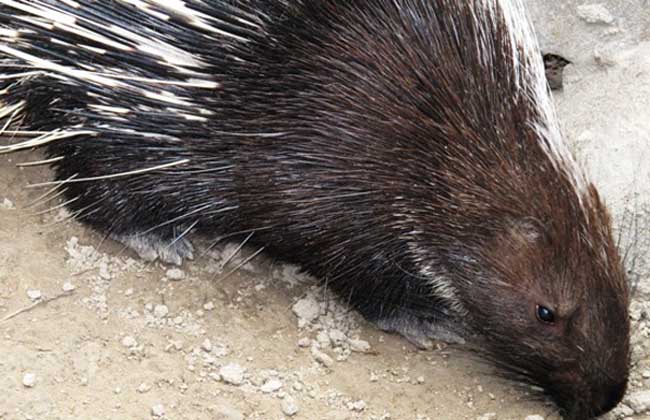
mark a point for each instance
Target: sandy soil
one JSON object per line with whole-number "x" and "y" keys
{"x": 91, "y": 332}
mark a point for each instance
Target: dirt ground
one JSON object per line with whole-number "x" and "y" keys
{"x": 89, "y": 331}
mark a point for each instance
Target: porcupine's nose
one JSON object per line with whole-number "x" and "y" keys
{"x": 610, "y": 396}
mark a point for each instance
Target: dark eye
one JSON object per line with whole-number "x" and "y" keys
{"x": 545, "y": 315}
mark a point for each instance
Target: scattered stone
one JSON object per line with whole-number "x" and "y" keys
{"x": 232, "y": 374}
{"x": 68, "y": 287}
{"x": 323, "y": 339}
{"x": 357, "y": 405}
{"x": 29, "y": 380}
{"x": 307, "y": 310}
{"x": 535, "y": 417}
{"x": 175, "y": 344}
{"x": 271, "y": 385}
{"x": 595, "y": 13}
{"x": 143, "y": 388}
{"x": 321, "y": 357}
{"x": 128, "y": 292}
{"x": 208, "y": 306}
{"x": 34, "y": 294}
{"x": 621, "y": 411}
{"x": 639, "y": 401}
{"x": 646, "y": 374}
{"x": 104, "y": 273}
{"x": 157, "y": 410}
{"x": 337, "y": 337}
{"x": 129, "y": 342}
{"x": 175, "y": 274}
{"x": 160, "y": 311}
{"x": 289, "y": 406}
{"x": 223, "y": 412}
{"x": 206, "y": 345}
{"x": 488, "y": 416}
{"x": 7, "y": 204}
{"x": 304, "y": 342}
{"x": 359, "y": 346}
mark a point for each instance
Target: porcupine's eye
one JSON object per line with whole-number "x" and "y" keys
{"x": 545, "y": 315}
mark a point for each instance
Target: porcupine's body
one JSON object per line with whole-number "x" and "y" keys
{"x": 404, "y": 151}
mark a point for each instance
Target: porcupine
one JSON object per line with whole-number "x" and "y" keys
{"x": 406, "y": 152}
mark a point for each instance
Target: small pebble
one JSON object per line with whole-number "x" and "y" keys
{"x": 208, "y": 306}
{"x": 29, "y": 380}
{"x": 321, "y": 357}
{"x": 128, "y": 292}
{"x": 487, "y": 416}
{"x": 104, "y": 273}
{"x": 68, "y": 287}
{"x": 535, "y": 417}
{"x": 621, "y": 411}
{"x": 289, "y": 406}
{"x": 34, "y": 294}
{"x": 160, "y": 311}
{"x": 227, "y": 413}
{"x": 129, "y": 341}
{"x": 646, "y": 374}
{"x": 307, "y": 310}
{"x": 304, "y": 342}
{"x": 143, "y": 388}
{"x": 232, "y": 374}
{"x": 337, "y": 337}
{"x": 357, "y": 405}
{"x": 175, "y": 274}
{"x": 158, "y": 410}
{"x": 207, "y": 345}
{"x": 7, "y": 204}
{"x": 271, "y": 385}
{"x": 323, "y": 339}
{"x": 595, "y": 13}
{"x": 359, "y": 346}
{"x": 639, "y": 401}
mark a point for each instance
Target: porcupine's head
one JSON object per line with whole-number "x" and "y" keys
{"x": 528, "y": 251}
{"x": 496, "y": 213}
